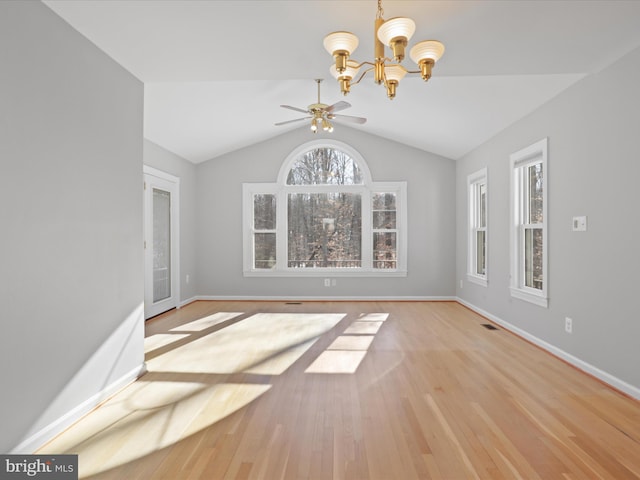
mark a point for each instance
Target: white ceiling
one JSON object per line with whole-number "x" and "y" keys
{"x": 215, "y": 72}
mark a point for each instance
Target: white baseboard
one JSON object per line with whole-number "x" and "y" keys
{"x": 188, "y": 301}
{"x": 321, "y": 298}
{"x": 606, "y": 377}
{"x": 56, "y": 427}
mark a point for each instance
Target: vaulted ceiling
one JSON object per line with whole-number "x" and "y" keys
{"x": 215, "y": 72}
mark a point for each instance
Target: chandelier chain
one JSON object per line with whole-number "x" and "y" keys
{"x": 380, "y": 10}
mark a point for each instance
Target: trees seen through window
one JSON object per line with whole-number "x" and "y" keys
{"x": 323, "y": 215}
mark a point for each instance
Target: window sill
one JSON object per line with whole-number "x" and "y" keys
{"x": 325, "y": 272}
{"x": 529, "y": 296}
{"x": 478, "y": 280}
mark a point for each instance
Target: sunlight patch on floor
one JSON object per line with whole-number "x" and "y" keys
{"x": 337, "y": 361}
{"x": 265, "y": 343}
{"x": 158, "y": 415}
{"x": 363, "y": 328}
{"x": 276, "y": 363}
{"x": 347, "y": 351}
{"x": 188, "y": 388}
{"x": 206, "y": 322}
{"x": 351, "y": 342}
{"x": 159, "y": 340}
{"x": 373, "y": 317}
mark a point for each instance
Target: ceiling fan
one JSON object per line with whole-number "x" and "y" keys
{"x": 322, "y": 114}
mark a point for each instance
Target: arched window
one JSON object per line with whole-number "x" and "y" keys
{"x": 324, "y": 166}
{"x": 323, "y": 216}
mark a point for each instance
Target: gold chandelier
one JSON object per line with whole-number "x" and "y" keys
{"x": 394, "y": 33}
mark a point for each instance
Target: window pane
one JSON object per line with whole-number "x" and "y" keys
{"x": 384, "y": 220}
{"x": 384, "y": 201}
{"x": 480, "y": 252}
{"x": 161, "y": 245}
{"x": 384, "y": 210}
{"x": 264, "y": 248}
{"x": 533, "y": 258}
{"x": 324, "y": 166}
{"x": 325, "y": 230}
{"x": 264, "y": 212}
{"x": 384, "y": 250}
{"x": 482, "y": 205}
{"x": 534, "y": 184}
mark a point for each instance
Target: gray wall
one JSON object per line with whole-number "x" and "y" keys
{"x": 593, "y": 170}
{"x": 157, "y": 157}
{"x": 71, "y": 286}
{"x": 431, "y": 219}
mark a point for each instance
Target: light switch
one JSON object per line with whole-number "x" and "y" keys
{"x": 579, "y": 224}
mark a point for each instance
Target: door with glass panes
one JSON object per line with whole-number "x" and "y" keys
{"x": 160, "y": 242}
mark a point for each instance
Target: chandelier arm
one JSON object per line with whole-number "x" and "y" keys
{"x": 395, "y": 65}
{"x": 363, "y": 73}
{"x": 361, "y": 77}
{"x": 359, "y": 65}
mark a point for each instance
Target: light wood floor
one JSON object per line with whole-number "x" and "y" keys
{"x": 352, "y": 390}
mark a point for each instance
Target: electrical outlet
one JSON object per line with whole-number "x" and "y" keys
{"x": 580, "y": 224}
{"x": 327, "y": 282}
{"x": 187, "y": 279}
{"x": 461, "y": 284}
{"x": 568, "y": 325}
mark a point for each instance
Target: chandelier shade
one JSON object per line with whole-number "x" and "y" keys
{"x": 395, "y": 33}
{"x": 341, "y": 45}
{"x": 398, "y": 27}
{"x": 427, "y": 49}
{"x": 341, "y": 41}
{"x": 394, "y": 73}
{"x": 426, "y": 54}
{"x": 344, "y": 78}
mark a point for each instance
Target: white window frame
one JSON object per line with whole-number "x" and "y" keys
{"x": 474, "y": 181}
{"x": 519, "y": 161}
{"x": 281, "y": 190}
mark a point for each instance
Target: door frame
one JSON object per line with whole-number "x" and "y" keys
{"x": 165, "y": 181}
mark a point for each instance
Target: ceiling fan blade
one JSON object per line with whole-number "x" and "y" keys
{"x": 295, "y": 108}
{"x": 349, "y": 118}
{"x": 292, "y": 121}
{"x": 336, "y": 107}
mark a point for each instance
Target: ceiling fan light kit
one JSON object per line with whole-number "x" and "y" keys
{"x": 321, "y": 114}
{"x": 394, "y": 33}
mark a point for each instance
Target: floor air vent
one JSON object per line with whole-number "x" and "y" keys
{"x": 293, "y": 303}
{"x": 488, "y": 326}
